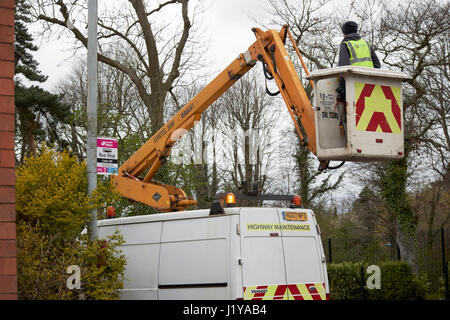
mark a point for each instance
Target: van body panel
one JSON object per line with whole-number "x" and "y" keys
{"x": 235, "y": 260}
{"x": 201, "y": 248}
{"x": 302, "y": 264}
{"x": 133, "y": 233}
{"x": 264, "y": 262}
{"x": 201, "y": 262}
{"x": 139, "y": 294}
{"x": 213, "y": 227}
{"x": 264, "y": 272}
{"x": 258, "y": 222}
{"x": 141, "y": 271}
{"x": 245, "y": 253}
{"x": 301, "y": 247}
{"x": 200, "y": 293}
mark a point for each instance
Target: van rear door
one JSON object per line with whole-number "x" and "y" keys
{"x": 282, "y": 255}
{"x": 263, "y": 269}
{"x": 303, "y": 253}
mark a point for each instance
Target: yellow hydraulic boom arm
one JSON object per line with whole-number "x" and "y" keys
{"x": 270, "y": 50}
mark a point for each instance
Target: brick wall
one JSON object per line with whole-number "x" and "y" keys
{"x": 8, "y": 264}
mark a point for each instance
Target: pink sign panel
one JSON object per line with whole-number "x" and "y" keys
{"x": 106, "y": 143}
{"x": 107, "y": 170}
{"x": 102, "y": 170}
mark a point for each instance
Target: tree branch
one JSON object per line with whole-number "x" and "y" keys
{"x": 113, "y": 63}
{"x": 174, "y": 72}
{"x": 150, "y": 43}
{"x": 127, "y": 40}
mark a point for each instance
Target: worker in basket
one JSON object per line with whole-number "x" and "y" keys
{"x": 354, "y": 51}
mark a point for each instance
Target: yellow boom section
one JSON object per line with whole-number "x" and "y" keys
{"x": 268, "y": 48}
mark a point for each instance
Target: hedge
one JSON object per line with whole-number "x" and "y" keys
{"x": 397, "y": 282}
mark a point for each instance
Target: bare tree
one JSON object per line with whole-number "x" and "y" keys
{"x": 311, "y": 27}
{"x": 313, "y": 183}
{"x": 247, "y": 124}
{"x": 432, "y": 206}
{"x": 153, "y": 52}
{"x": 437, "y": 86}
{"x": 121, "y": 113}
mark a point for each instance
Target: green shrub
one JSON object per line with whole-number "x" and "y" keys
{"x": 345, "y": 280}
{"x": 423, "y": 286}
{"x": 42, "y": 266}
{"x": 397, "y": 282}
{"x": 52, "y": 209}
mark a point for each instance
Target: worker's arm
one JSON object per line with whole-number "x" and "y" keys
{"x": 344, "y": 60}
{"x": 375, "y": 60}
{"x": 344, "y": 55}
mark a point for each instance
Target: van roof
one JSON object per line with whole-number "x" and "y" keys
{"x": 191, "y": 214}
{"x": 163, "y": 217}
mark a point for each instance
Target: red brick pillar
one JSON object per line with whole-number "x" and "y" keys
{"x": 8, "y": 264}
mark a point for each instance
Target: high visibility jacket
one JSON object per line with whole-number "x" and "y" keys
{"x": 359, "y": 53}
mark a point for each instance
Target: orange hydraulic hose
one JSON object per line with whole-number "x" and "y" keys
{"x": 300, "y": 56}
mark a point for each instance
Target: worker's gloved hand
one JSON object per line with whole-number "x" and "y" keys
{"x": 341, "y": 94}
{"x": 340, "y": 98}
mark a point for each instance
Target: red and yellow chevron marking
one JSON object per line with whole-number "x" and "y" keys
{"x": 303, "y": 291}
{"x": 377, "y": 108}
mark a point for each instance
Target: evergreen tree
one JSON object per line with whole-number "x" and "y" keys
{"x": 24, "y": 61}
{"x": 38, "y": 112}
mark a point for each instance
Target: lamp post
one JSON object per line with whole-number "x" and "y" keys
{"x": 92, "y": 112}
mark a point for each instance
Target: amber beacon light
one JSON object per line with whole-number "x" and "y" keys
{"x": 230, "y": 199}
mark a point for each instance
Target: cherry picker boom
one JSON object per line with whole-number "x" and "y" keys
{"x": 269, "y": 49}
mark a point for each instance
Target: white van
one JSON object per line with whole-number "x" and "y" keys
{"x": 245, "y": 253}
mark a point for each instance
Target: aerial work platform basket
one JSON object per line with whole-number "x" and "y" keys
{"x": 369, "y": 125}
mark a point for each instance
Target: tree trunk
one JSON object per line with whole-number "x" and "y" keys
{"x": 408, "y": 249}
{"x": 31, "y": 138}
{"x": 303, "y": 167}
{"x": 155, "y": 106}
{"x": 393, "y": 185}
